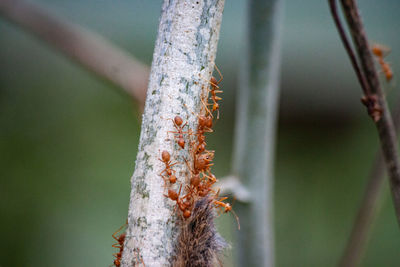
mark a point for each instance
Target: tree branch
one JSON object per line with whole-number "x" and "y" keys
{"x": 375, "y": 100}
{"x": 232, "y": 185}
{"x": 257, "y": 107}
{"x": 182, "y": 63}
{"x": 90, "y": 50}
{"x": 349, "y": 49}
{"x": 369, "y": 208}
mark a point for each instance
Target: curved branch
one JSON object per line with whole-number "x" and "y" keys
{"x": 90, "y": 50}
{"x": 231, "y": 185}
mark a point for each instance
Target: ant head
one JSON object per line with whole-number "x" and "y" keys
{"x": 209, "y": 156}
{"x": 377, "y": 50}
{"x": 200, "y": 148}
{"x": 165, "y": 156}
{"x": 228, "y": 207}
{"x": 178, "y": 120}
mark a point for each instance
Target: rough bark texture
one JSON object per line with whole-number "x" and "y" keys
{"x": 255, "y": 131}
{"x": 182, "y": 62}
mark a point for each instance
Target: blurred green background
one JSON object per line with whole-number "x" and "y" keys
{"x": 68, "y": 140}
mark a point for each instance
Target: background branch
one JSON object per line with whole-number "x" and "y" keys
{"x": 384, "y": 121}
{"x": 257, "y": 105}
{"x": 90, "y": 50}
{"x": 369, "y": 208}
{"x": 183, "y": 59}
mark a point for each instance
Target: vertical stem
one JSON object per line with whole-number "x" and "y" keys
{"x": 185, "y": 48}
{"x": 257, "y": 106}
{"x": 384, "y": 125}
{"x": 369, "y": 208}
{"x": 365, "y": 217}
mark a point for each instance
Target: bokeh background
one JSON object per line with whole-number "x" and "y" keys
{"x": 68, "y": 140}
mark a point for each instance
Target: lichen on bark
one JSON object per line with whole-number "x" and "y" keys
{"x": 182, "y": 61}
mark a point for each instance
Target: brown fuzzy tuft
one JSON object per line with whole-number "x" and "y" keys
{"x": 199, "y": 243}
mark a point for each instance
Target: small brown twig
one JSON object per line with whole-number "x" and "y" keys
{"x": 370, "y": 204}
{"x": 369, "y": 208}
{"x": 375, "y": 100}
{"x": 347, "y": 46}
{"x": 385, "y": 127}
{"x": 90, "y": 50}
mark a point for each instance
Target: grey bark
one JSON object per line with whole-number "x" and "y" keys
{"x": 182, "y": 62}
{"x": 257, "y": 106}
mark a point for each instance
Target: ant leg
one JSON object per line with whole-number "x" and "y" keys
{"x": 237, "y": 219}
{"x": 220, "y": 74}
{"x": 170, "y": 165}
{"x": 119, "y": 229}
{"x": 116, "y": 245}
{"x": 165, "y": 180}
{"x": 206, "y": 108}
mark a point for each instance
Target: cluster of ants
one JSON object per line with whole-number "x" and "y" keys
{"x": 200, "y": 181}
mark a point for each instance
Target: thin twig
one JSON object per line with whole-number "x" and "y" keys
{"x": 92, "y": 51}
{"x": 387, "y": 133}
{"x": 347, "y": 46}
{"x": 376, "y": 102}
{"x": 369, "y": 208}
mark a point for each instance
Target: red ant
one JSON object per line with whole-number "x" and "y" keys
{"x": 214, "y": 86}
{"x": 120, "y": 244}
{"x": 179, "y": 130}
{"x": 215, "y": 90}
{"x": 173, "y": 195}
{"x": 184, "y": 206}
{"x": 379, "y": 52}
{"x": 203, "y": 161}
{"x": 166, "y": 158}
{"x": 225, "y": 207}
{"x": 205, "y": 124}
